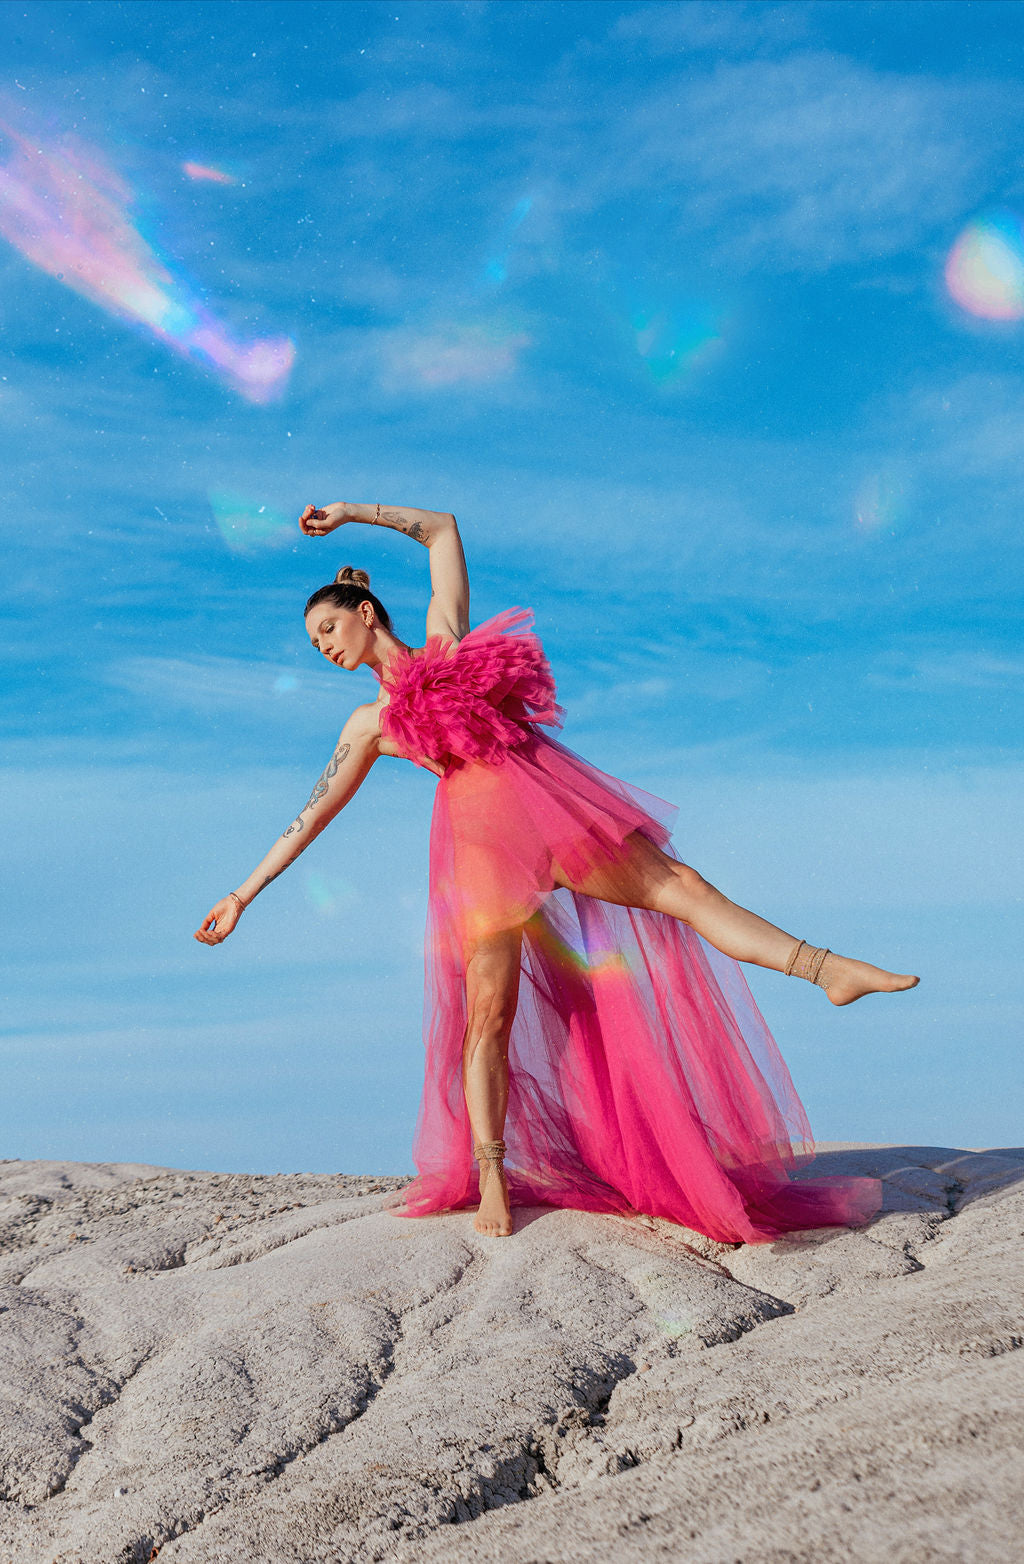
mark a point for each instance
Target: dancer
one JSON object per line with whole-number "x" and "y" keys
{"x": 591, "y": 1041}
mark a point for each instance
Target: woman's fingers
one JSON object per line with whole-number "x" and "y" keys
{"x": 217, "y": 924}
{"x": 310, "y": 522}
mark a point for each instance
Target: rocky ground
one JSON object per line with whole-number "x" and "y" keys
{"x": 200, "y": 1367}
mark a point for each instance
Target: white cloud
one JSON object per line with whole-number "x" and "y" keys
{"x": 969, "y": 669}
{"x": 737, "y": 26}
{"x": 212, "y": 683}
{"x": 806, "y": 162}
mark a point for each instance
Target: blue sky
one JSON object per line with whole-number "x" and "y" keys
{"x": 655, "y": 299}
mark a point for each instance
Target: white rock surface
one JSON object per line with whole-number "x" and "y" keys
{"x": 200, "y": 1367}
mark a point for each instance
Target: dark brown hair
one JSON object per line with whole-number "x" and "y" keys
{"x": 349, "y": 588}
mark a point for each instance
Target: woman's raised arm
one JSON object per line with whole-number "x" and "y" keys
{"x": 353, "y": 756}
{"x": 438, "y": 531}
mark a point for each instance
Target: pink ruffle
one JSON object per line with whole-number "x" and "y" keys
{"x": 473, "y": 704}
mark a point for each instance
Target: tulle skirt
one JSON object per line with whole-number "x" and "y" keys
{"x": 642, "y": 1076}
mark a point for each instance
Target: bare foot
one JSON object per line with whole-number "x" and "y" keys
{"x": 848, "y": 979}
{"x": 494, "y": 1216}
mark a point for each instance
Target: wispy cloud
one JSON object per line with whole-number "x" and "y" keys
{"x": 805, "y": 162}
{"x": 708, "y": 25}
{"x": 968, "y": 669}
{"x": 213, "y": 684}
{"x": 443, "y": 356}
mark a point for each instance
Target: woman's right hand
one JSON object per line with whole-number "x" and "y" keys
{"x": 224, "y": 915}
{"x": 316, "y": 523}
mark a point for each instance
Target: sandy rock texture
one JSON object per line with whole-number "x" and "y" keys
{"x": 209, "y": 1367}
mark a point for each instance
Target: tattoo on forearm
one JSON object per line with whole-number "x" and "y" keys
{"x": 298, "y": 824}
{"x": 412, "y": 529}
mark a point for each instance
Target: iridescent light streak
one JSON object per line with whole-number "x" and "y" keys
{"x": 596, "y": 964}
{"x": 68, "y": 213}
{"x": 661, "y": 1295}
{"x": 496, "y": 269}
{"x": 880, "y": 501}
{"x": 214, "y": 176}
{"x": 675, "y": 341}
{"x": 246, "y": 525}
{"x": 984, "y": 270}
{"x": 328, "y": 894}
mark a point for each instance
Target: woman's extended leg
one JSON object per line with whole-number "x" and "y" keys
{"x": 492, "y": 994}
{"x": 648, "y": 878}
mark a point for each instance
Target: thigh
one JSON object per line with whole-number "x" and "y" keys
{"x": 638, "y": 877}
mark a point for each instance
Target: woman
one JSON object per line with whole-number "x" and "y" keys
{"x": 586, "y": 1016}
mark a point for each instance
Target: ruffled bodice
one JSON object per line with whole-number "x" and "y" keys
{"x": 473, "y": 703}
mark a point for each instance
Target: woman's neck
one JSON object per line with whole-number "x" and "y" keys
{"x": 386, "y": 648}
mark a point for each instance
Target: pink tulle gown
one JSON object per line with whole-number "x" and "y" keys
{"x": 642, "y": 1076}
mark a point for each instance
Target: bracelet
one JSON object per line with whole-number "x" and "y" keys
{"x": 238, "y": 899}
{"x": 377, "y": 517}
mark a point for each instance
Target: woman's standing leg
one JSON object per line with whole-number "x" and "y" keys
{"x": 492, "y": 994}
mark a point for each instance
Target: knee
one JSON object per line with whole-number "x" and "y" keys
{"x": 686, "y": 891}
{"x": 491, "y": 1013}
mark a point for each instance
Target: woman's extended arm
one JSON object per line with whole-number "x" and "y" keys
{"x": 354, "y": 754}
{"x": 438, "y": 531}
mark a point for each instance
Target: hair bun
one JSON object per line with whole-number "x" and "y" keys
{"x": 349, "y": 576}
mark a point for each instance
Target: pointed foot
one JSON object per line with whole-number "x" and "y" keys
{"x": 848, "y": 980}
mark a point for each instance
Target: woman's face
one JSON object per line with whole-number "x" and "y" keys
{"x": 343, "y": 635}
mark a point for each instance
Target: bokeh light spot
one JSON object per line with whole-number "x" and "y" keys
{"x": 246, "y": 525}
{"x": 984, "y": 269}
{"x": 204, "y": 171}
{"x": 328, "y": 893}
{"x": 881, "y": 500}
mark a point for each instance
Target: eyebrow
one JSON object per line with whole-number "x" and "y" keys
{"x": 320, "y": 626}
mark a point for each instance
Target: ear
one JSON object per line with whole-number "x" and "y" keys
{"x": 369, "y": 617}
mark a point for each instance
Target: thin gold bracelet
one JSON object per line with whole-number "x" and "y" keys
{"x": 238, "y": 899}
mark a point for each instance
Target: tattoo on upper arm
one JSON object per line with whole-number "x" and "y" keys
{"x": 298, "y": 824}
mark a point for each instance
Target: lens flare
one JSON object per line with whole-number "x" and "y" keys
{"x": 496, "y": 269}
{"x": 660, "y": 1294}
{"x": 328, "y": 893}
{"x": 247, "y": 526}
{"x": 213, "y": 176}
{"x": 69, "y": 214}
{"x": 880, "y": 500}
{"x": 596, "y": 963}
{"x": 676, "y": 340}
{"x": 984, "y": 270}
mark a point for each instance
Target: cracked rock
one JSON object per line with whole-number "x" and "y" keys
{"x": 279, "y": 1369}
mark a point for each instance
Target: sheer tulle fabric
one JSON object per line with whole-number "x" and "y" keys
{"x": 642, "y": 1076}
